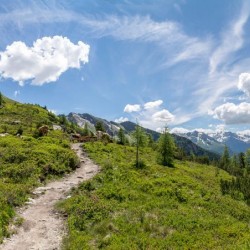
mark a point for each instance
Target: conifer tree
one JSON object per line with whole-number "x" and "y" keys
{"x": 241, "y": 160}
{"x": 121, "y": 137}
{"x": 1, "y": 99}
{"x": 166, "y": 148}
{"x": 247, "y": 159}
{"x": 234, "y": 161}
{"x": 86, "y": 129}
{"x": 141, "y": 140}
{"x": 99, "y": 126}
{"x": 225, "y": 159}
{"x": 140, "y": 137}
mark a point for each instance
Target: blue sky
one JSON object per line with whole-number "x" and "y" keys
{"x": 183, "y": 63}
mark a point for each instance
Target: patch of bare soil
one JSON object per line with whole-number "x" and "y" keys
{"x": 43, "y": 228}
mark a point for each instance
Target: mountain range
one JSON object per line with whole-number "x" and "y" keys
{"x": 216, "y": 141}
{"x": 112, "y": 129}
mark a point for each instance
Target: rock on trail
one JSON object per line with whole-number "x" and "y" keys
{"x": 43, "y": 228}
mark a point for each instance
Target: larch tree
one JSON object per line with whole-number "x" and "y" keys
{"x": 121, "y": 137}
{"x": 166, "y": 149}
{"x": 141, "y": 140}
{"x": 247, "y": 159}
{"x": 225, "y": 159}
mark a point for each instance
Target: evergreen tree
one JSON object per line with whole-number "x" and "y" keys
{"x": 86, "y": 131}
{"x": 63, "y": 120}
{"x": 234, "y": 161}
{"x": 247, "y": 159}
{"x": 241, "y": 160}
{"x": 121, "y": 137}
{"x": 166, "y": 148}
{"x": 1, "y": 99}
{"x": 141, "y": 140}
{"x": 225, "y": 159}
{"x": 99, "y": 126}
{"x": 234, "y": 165}
{"x": 140, "y": 137}
{"x": 151, "y": 142}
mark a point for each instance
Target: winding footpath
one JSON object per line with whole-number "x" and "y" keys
{"x": 43, "y": 228}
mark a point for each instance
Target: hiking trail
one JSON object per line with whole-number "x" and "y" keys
{"x": 43, "y": 228}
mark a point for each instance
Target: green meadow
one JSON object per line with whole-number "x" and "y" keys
{"x": 154, "y": 207}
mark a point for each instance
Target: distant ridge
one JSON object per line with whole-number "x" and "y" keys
{"x": 216, "y": 141}
{"x": 112, "y": 128}
{"x": 187, "y": 145}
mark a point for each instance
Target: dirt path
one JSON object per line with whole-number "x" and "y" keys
{"x": 43, "y": 228}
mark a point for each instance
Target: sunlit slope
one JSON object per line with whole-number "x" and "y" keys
{"x": 153, "y": 208}
{"x": 15, "y": 115}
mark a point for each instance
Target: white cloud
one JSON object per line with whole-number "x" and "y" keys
{"x": 159, "y": 130}
{"x": 152, "y": 105}
{"x": 16, "y": 93}
{"x": 53, "y": 111}
{"x": 167, "y": 34}
{"x": 204, "y": 130}
{"x": 220, "y": 128}
{"x": 132, "y": 108}
{"x": 44, "y": 62}
{"x": 149, "y": 115}
{"x": 121, "y": 119}
{"x": 209, "y": 131}
{"x": 231, "y": 113}
{"x": 174, "y": 45}
{"x": 244, "y": 83}
{"x": 232, "y": 40}
{"x": 243, "y": 132}
{"x": 179, "y": 130}
{"x": 163, "y": 116}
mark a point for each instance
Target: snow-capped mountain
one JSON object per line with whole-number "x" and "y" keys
{"x": 205, "y": 141}
{"x": 215, "y": 141}
{"x": 237, "y": 142}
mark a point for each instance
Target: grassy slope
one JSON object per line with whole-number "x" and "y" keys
{"x": 14, "y": 115}
{"x": 26, "y": 161}
{"x": 153, "y": 208}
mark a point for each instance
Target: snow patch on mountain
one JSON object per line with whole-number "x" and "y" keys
{"x": 216, "y": 140}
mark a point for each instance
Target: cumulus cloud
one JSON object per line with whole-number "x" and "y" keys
{"x": 150, "y": 114}
{"x": 231, "y": 113}
{"x": 129, "y": 108}
{"x": 152, "y": 105}
{"x": 121, "y": 119}
{"x": 163, "y": 116}
{"x": 44, "y": 62}
{"x": 244, "y": 83}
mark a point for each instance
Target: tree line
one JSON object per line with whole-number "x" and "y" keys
{"x": 239, "y": 166}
